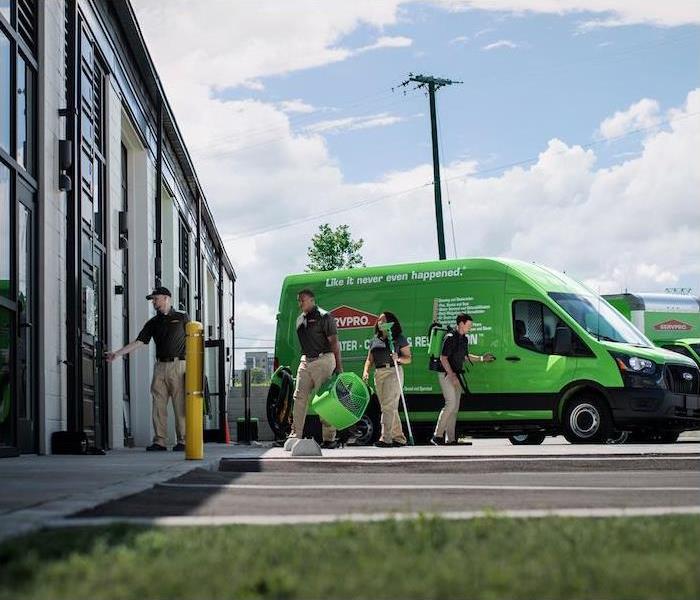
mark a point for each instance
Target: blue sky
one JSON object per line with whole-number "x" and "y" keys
{"x": 287, "y": 110}
{"x": 558, "y": 81}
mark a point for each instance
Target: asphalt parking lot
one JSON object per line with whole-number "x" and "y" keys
{"x": 269, "y": 485}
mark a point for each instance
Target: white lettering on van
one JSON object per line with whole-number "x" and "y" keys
{"x": 346, "y": 321}
{"x": 348, "y": 345}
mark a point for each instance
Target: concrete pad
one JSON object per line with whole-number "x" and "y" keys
{"x": 290, "y": 443}
{"x": 306, "y": 447}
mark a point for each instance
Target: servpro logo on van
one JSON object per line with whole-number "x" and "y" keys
{"x": 347, "y": 317}
{"x": 673, "y": 325}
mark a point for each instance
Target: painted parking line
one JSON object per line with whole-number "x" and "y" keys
{"x": 419, "y": 487}
{"x": 215, "y": 521}
{"x": 447, "y": 459}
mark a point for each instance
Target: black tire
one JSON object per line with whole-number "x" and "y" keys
{"x": 618, "y": 437}
{"x": 367, "y": 430}
{"x": 654, "y": 437}
{"x": 587, "y": 420}
{"x": 527, "y": 439}
{"x": 280, "y": 405}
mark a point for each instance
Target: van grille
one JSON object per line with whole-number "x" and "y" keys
{"x": 681, "y": 379}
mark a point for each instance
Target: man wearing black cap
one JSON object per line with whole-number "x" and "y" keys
{"x": 167, "y": 329}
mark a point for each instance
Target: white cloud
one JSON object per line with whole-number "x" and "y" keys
{"x": 616, "y": 12}
{"x": 353, "y": 123}
{"x": 296, "y": 105}
{"x": 460, "y": 39}
{"x": 386, "y": 42}
{"x": 640, "y": 115}
{"x": 499, "y": 44}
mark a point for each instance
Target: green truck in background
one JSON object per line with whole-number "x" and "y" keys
{"x": 671, "y": 321}
{"x": 566, "y": 361}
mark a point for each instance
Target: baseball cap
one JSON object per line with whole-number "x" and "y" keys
{"x": 159, "y": 291}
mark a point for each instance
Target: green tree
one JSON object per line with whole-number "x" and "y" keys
{"x": 334, "y": 249}
{"x": 257, "y": 376}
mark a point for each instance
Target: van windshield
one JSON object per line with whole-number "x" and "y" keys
{"x": 600, "y": 319}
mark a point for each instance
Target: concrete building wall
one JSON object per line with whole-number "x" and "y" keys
{"x": 51, "y": 227}
{"x": 129, "y": 119}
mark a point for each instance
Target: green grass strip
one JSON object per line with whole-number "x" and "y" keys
{"x": 489, "y": 558}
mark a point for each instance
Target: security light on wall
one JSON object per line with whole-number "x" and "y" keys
{"x": 65, "y": 162}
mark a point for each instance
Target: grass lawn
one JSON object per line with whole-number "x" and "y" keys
{"x": 490, "y": 558}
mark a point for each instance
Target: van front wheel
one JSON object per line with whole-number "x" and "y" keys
{"x": 587, "y": 420}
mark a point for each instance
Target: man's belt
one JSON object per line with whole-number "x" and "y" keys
{"x": 169, "y": 358}
{"x": 308, "y": 358}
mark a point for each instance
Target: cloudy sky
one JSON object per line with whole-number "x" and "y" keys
{"x": 573, "y": 140}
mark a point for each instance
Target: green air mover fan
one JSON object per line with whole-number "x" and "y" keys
{"x": 342, "y": 400}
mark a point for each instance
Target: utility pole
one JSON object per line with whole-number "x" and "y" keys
{"x": 433, "y": 84}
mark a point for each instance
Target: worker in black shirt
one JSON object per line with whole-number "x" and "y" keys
{"x": 318, "y": 338}
{"x": 455, "y": 350}
{"x": 167, "y": 329}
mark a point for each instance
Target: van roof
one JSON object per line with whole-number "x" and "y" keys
{"x": 544, "y": 278}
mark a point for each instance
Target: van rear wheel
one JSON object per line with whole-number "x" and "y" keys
{"x": 527, "y": 439}
{"x": 587, "y": 420}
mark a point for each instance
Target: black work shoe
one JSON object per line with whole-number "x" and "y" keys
{"x": 155, "y": 448}
{"x": 398, "y": 444}
{"x": 456, "y": 443}
{"x": 330, "y": 445}
{"x": 179, "y": 447}
{"x": 437, "y": 441}
{"x": 381, "y": 444}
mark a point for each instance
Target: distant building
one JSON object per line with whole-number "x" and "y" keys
{"x": 260, "y": 360}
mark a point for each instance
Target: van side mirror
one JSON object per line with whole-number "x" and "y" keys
{"x": 563, "y": 342}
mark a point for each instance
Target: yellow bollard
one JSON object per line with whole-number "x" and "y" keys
{"x": 194, "y": 390}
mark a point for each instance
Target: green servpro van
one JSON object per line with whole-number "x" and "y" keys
{"x": 566, "y": 361}
{"x": 671, "y": 321}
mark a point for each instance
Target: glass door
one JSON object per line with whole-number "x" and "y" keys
{"x": 215, "y": 391}
{"x": 26, "y": 307}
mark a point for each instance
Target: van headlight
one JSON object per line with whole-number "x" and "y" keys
{"x": 638, "y": 372}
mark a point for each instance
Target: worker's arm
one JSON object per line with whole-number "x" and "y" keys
{"x": 111, "y": 356}
{"x": 404, "y": 357}
{"x": 451, "y": 375}
{"x": 335, "y": 348}
{"x": 481, "y": 357}
{"x": 368, "y": 364}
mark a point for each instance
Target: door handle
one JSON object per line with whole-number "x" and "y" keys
{"x": 513, "y": 358}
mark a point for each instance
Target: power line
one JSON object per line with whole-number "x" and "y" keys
{"x": 269, "y": 141}
{"x": 293, "y": 122}
{"x": 259, "y": 231}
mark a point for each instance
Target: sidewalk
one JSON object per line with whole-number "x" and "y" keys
{"x": 36, "y": 489}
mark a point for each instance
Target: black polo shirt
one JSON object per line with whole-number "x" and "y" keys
{"x": 168, "y": 332}
{"x": 313, "y": 331}
{"x": 381, "y": 352}
{"x": 455, "y": 347}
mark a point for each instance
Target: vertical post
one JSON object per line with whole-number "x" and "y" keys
{"x": 246, "y": 405}
{"x": 436, "y": 174}
{"x": 159, "y": 187}
{"x": 73, "y": 234}
{"x": 198, "y": 309}
{"x": 194, "y": 391}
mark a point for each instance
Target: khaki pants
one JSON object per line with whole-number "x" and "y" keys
{"x": 447, "y": 421}
{"x": 388, "y": 390}
{"x": 311, "y": 376}
{"x": 168, "y": 382}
